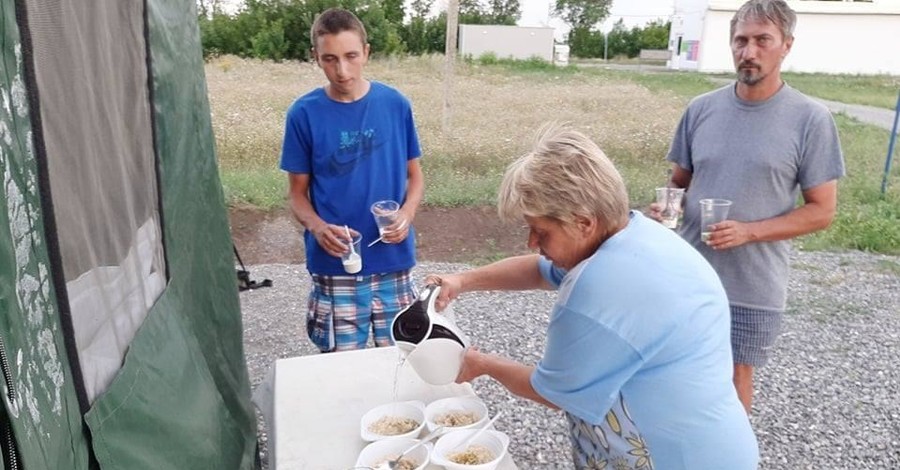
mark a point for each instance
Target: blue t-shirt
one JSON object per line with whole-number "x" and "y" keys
{"x": 646, "y": 318}
{"x": 356, "y": 154}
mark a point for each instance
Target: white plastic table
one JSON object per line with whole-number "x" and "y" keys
{"x": 317, "y": 402}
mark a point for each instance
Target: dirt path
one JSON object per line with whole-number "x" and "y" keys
{"x": 459, "y": 235}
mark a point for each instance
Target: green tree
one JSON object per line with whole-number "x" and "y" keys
{"x": 585, "y": 14}
{"x": 623, "y": 41}
{"x": 394, "y": 12}
{"x": 655, "y": 35}
{"x": 472, "y": 12}
{"x": 421, "y": 8}
{"x": 505, "y": 12}
{"x": 414, "y": 35}
{"x": 269, "y": 42}
{"x": 436, "y": 33}
{"x": 585, "y": 43}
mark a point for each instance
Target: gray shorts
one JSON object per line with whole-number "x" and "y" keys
{"x": 753, "y": 333}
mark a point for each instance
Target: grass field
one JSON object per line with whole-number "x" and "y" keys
{"x": 496, "y": 107}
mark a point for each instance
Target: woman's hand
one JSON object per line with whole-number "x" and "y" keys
{"x": 451, "y": 287}
{"x": 472, "y": 366}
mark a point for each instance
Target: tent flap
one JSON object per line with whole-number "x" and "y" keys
{"x": 181, "y": 398}
{"x": 42, "y": 406}
{"x": 164, "y": 409}
{"x": 184, "y": 377}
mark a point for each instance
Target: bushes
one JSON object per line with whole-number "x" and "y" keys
{"x": 279, "y": 29}
{"x": 588, "y": 43}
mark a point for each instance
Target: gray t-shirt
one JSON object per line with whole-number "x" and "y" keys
{"x": 759, "y": 155}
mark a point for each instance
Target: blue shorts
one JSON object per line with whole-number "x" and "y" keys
{"x": 343, "y": 309}
{"x": 753, "y": 333}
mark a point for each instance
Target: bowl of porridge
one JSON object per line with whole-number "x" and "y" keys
{"x": 484, "y": 453}
{"x": 377, "y": 453}
{"x": 456, "y": 413}
{"x": 397, "y": 419}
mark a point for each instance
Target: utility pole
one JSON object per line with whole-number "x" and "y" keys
{"x": 605, "y": 46}
{"x": 450, "y": 60}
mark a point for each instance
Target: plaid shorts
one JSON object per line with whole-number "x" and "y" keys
{"x": 753, "y": 333}
{"x": 343, "y": 309}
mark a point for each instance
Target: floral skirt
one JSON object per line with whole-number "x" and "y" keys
{"x": 614, "y": 444}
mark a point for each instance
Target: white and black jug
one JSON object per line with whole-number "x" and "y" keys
{"x": 430, "y": 340}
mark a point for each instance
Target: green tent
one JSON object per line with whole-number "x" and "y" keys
{"x": 120, "y": 326}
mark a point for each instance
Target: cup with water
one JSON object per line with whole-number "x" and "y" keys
{"x": 669, "y": 201}
{"x": 712, "y": 211}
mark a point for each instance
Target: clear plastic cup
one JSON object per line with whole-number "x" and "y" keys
{"x": 712, "y": 211}
{"x": 669, "y": 200}
{"x": 386, "y": 214}
{"x": 352, "y": 259}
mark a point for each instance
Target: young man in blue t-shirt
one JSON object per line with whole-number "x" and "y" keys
{"x": 347, "y": 145}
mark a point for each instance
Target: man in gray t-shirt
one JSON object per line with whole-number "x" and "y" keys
{"x": 760, "y": 144}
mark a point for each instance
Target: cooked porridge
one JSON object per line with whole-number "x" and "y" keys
{"x": 392, "y": 426}
{"x": 473, "y": 455}
{"x": 456, "y": 418}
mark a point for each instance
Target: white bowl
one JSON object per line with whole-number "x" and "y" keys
{"x": 414, "y": 410}
{"x": 469, "y": 404}
{"x": 495, "y": 441}
{"x": 385, "y": 449}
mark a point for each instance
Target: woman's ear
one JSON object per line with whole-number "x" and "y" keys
{"x": 586, "y": 226}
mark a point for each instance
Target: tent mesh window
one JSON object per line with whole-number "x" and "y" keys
{"x": 96, "y": 127}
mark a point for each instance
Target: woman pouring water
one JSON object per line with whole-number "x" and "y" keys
{"x": 638, "y": 352}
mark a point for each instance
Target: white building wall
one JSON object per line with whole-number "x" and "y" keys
{"x": 686, "y": 34}
{"x": 517, "y": 42}
{"x": 830, "y": 37}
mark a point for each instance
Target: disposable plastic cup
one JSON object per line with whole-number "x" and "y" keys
{"x": 712, "y": 211}
{"x": 352, "y": 259}
{"x": 669, "y": 200}
{"x": 386, "y": 213}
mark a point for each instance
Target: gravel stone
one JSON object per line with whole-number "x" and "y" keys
{"x": 828, "y": 399}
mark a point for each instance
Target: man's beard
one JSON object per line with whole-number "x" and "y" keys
{"x": 750, "y": 74}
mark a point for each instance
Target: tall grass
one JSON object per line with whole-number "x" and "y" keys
{"x": 495, "y": 108}
{"x": 871, "y": 90}
{"x": 866, "y": 219}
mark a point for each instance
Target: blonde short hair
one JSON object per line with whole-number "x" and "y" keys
{"x": 565, "y": 175}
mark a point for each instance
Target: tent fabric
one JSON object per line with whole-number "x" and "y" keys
{"x": 98, "y": 145}
{"x": 199, "y": 311}
{"x": 109, "y": 303}
{"x": 181, "y": 398}
{"x": 41, "y": 405}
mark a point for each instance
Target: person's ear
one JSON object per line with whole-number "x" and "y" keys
{"x": 366, "y": 50}
{"x": 585, "y": 225}
{"x": 788, "y": 43}
{"x": 313, "y": 55}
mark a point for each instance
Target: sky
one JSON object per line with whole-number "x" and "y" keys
{"x": 633, "y": 12}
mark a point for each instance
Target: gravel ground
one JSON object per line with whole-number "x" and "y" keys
{"x": 827, "y": 400}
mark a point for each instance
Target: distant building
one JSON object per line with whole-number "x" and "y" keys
{"x": 837, "y": 37}
{"x": 515, "y": 42}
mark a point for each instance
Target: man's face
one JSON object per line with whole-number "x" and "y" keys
{"x": 342, "y": 57}
{"x": 758, "y": 48}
